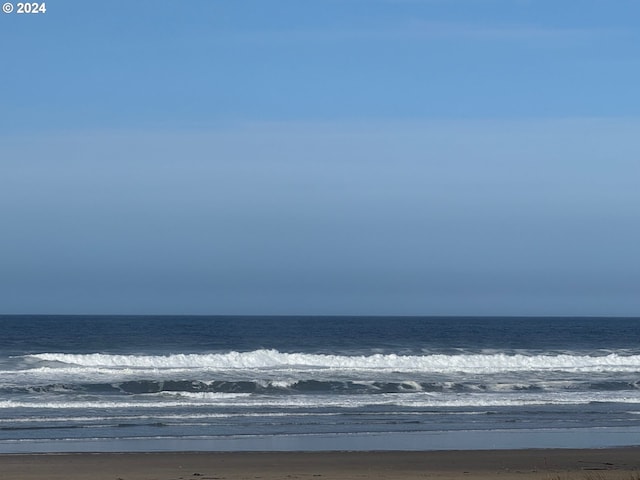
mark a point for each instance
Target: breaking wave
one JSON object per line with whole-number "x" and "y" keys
{"x": 273, "y": 359}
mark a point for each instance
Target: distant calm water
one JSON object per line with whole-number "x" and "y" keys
{"x": 64, "y": 379}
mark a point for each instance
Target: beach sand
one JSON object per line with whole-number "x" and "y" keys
{"x": 557, "y": 464}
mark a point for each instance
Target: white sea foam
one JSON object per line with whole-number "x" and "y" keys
{"x": 186, "y": 416}
{"x": 201, "y": 395}
{"x": 413, "y": 400}
{"x": 272, "y": 359}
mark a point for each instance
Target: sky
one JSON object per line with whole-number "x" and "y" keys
{"x": 321, "y": 157}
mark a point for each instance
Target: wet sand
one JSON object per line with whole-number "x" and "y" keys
{"x": 556, "y": 464}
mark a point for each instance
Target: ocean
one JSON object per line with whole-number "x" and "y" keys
{"x": 148, "y": 383}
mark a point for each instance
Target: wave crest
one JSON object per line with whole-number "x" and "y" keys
{"x": 273, "y": 359}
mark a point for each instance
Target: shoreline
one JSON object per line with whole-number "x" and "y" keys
{"x": 467, "y": 440}
{"x": 548, "y": 464}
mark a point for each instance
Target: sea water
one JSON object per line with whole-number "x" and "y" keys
{"x": 105, "y": 383}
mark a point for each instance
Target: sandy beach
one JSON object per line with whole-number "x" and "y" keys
{"x": 597, "y": 464}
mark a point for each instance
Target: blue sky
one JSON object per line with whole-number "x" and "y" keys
{"x": 414, "y": 157}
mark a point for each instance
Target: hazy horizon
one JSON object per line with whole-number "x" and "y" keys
{"x": 321, "y": 158}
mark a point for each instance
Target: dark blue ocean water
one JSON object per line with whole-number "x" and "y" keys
{"x": 102, "y": 379}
